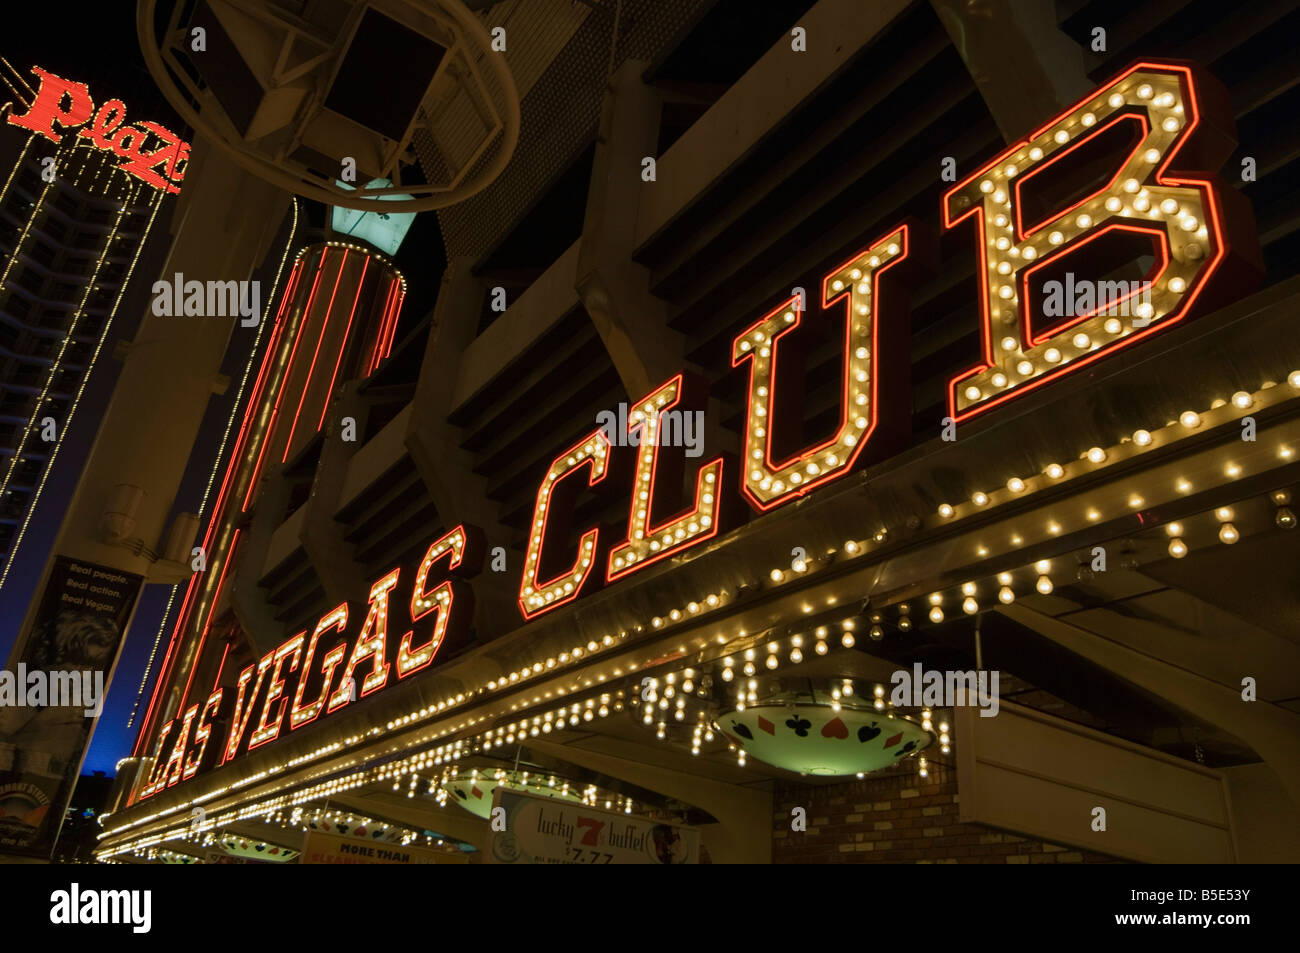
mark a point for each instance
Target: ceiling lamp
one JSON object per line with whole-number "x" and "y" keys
{"x": 253, "y": 849}
{"x": 473, "y": 789}
{"x": 809, "y": 736}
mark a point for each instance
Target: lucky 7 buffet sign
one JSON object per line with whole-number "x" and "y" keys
{"x": 1174, "y": 129}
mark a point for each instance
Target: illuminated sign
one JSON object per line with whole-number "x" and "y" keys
{"x": 384, "y": 230}
{"x": 1205, "y": 252}
{"x": 1175, "y": 115}
{"x": 151, "y": 153}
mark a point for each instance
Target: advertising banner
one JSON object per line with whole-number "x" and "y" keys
{"x": 318, "y": 848}
{"x": 540, "y": 830}
{"x": 51, "y": 694}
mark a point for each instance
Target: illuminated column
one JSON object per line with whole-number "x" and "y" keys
{"x": 344, "y": 306}
{"x": 335, "y": 323}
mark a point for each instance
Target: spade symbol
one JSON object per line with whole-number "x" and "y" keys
{"x": 742, "y": 730}
{"x": 867, "y": 732}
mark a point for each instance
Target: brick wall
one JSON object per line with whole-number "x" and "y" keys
{"x": 899, "y": 817}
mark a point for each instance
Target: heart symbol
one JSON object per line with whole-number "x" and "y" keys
{"x": 360, "y": 832}
{"x": 835, "y": 728}
{"x": 894, "y": 740}
{"x": 866, "y": 733}
{"x": 766, "y": 725}
{"x": 275, "y": 850}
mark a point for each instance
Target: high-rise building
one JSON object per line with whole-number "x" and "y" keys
{"x": 75, "y": 228}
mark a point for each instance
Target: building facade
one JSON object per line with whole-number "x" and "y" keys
{"x": 962, "y": 577}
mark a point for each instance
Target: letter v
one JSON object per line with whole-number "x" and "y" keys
{"x": 239, "y": 718}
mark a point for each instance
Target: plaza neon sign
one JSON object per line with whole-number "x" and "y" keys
{"x": 1201, "y": 229}
{"x": 149, "y": 152}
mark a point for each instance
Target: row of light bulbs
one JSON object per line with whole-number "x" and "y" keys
{"x": 1188, "y": 421}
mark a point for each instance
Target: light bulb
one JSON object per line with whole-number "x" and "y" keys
{"x": 1006, "y": 596}
{"x": 1142, "y": 438}
{"x": 1097, "y": 455}
{"x": 936, "y": 614}
{"x": 1189, "y": 419}
{"x": 1242, "y": 400}
{"x": 1228, "y": 534}
{"x": 1055, "y": 471}
{"x": 970, "y": 606}
{"x": 1044, "y": 585}
{"x": 1177, "y": 548}
{"x": 1223, "y": 514}
{"x": 1016, "y": 485}
{"x": 1284, "y": 518}
{"x": 945, "y": 510}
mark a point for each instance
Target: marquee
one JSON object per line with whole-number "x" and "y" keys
{"x": 1178, "y": 120}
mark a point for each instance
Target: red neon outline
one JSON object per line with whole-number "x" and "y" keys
{"x": 589, "y": 460}
{"x": 311, "y": 369}
{"x": 344, "y": 345}
{"x": 1023, "y": 233}
{"x": 269, "y": 433}
{"x": 455, "y": 541}
{"x": 391, "y": 335}
{"x": 611, "y": 573}
{"x": 873, "y": 416}
{"x": 1092, "y": 235}
{"x": 1210, "y": 200}
{"x": 207, "y": 622}
{"x": 375, "y": 346}
{"x": 329, "y": 661}
{"x": 276, "y": 689}
{"x": 221, "y": 666}
{"x": 218, "y": 510}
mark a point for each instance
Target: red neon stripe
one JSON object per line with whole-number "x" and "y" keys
{"x": 379, "y": 331}
{"x": 221, "y": 667}
{"x": 302, "y": 399}
{"x": 275, "y": 412}
{"x": 392, "y": 331}
{"x": 207, "y": 623}
{"x": 182, "y": 619}
{"x": 344, "y": 345}
{"x": 250, "y": 411}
